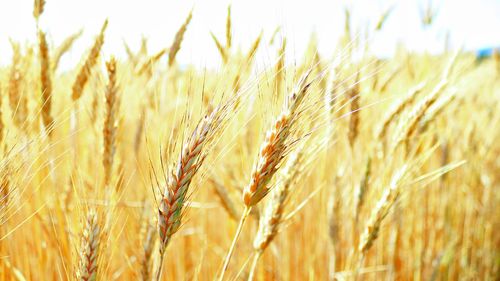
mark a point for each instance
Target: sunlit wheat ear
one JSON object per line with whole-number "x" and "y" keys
{"x": 383, "y": 18}
{"x": 222, "y": 51}
{"x": 229, "y": 34}
{"x": 148, "y": 64}
{"x": 272, "y": 218}
{"x": 90, "y": 248}
{"x": 132, "y": 57}
{"x": 396, "y": 110}
{"x": 253, "y": 49}
{"x": 64, "y": 48}
{"x": 38, "y": 8}
{"x": 109, "y": 128}
{"x": 90, "y": 62}
{"x": 46, "y": 84}
{"x": 355, "y": 106}
{"x": 363, "y": 187}
{"x": 174, "y": 196}
{"x": 280, "y": 68}
{"x": 275, "y": 146}
{"x": 193, "y": 153}
{"x": 383, "y": 207}
{"x": 435, "y": 110}
{"x": 407, "y": 125}
{"x": 176, "y": 45}
{"x": 17, "y": 100}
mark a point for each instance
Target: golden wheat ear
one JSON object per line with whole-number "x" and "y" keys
{"x": 90, "y": 248}
{"x": 90, "y": 62}
{"x": 274, "y": 149}
{"x": 179, "y": 36}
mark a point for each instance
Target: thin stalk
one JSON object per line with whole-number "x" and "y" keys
{"x": 256, "y": 258}
{"x": 244, "y": 216}
{"x": 160, "y": 266}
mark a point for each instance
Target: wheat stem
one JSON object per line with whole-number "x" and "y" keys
{"x": 255, "y": 261}
{"x": 243, "y": 218}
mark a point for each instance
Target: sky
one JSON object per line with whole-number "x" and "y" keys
{"x": 470, "y": 24}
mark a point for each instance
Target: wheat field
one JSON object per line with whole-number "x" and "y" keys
{"x": 340, "y": 166}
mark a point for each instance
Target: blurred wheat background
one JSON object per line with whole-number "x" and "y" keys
{"x": 258, "y": 163}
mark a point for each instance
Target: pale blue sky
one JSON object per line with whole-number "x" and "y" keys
{"x": 473, "y": 24}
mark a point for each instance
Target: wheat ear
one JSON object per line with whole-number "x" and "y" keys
{"x": 170, "y": 209}
{"x": 90, "y": 246}
{"x": 396, "y": 110}
{"x": 38, "y": 8}
{"x": 271, "y": 221}
{"x": 176, "y": 45}
{"x": 408, "y": 124}
{"x": 228, "y": 29}
{"x": 272, "y": 152}
{"x": 90, "y": 62}
{"x": 109, "y": 128}
{"x": 363, "y": 187}
{"x": 220, "y": 48}
{"x": 383, "y": 207}
{"x": 224, "y": 198}
{"x": 64, "y": 48}
{"x": 46, "y": 84}
{"x": 355, "y": 107}
{"x": 17, "y": 101}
